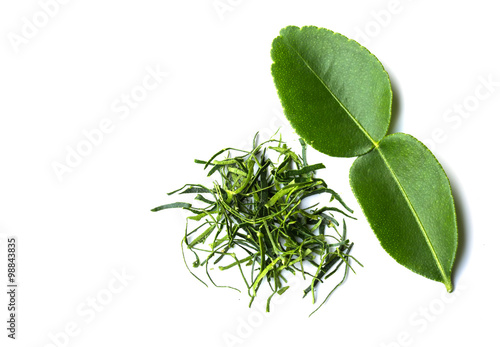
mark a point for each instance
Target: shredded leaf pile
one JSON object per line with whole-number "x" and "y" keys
{"x": 256, "y": 218}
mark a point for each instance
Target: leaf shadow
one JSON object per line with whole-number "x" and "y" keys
{"x": 394, "y": 125}
{"x": 463, "y": 230}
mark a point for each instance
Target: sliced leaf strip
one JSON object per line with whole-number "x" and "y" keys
{"x": 172, "y": 205}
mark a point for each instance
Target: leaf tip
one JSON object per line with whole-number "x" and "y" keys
{"x": 449, "y": 286}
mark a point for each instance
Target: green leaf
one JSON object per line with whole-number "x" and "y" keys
{"x": 406, "y": 197}
{"x": 335, "y": 93}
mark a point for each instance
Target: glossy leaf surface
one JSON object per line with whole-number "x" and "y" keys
{"x": 406, "y": 197}
{"x": 335, "y": 93}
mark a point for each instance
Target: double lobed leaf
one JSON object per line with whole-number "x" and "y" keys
{"x": 337, "y": 96}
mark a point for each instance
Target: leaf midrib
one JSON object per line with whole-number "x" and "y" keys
{"x": 446, "y": 281}
{"x": 351, "y": 116}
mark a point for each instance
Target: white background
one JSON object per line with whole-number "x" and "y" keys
{"x": 63, "y": 73}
